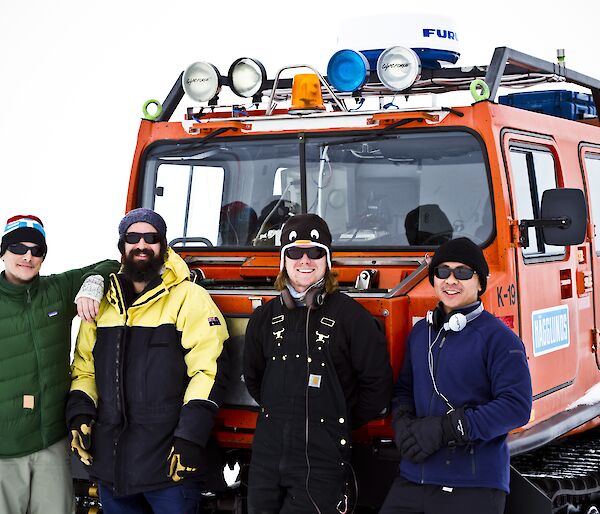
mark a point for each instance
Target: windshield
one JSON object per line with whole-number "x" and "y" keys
{"x": 403, "y": 189}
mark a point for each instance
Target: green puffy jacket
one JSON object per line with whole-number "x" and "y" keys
{"x": 35, "y": 344}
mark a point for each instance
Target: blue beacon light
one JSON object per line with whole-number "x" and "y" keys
{"x": 348, "y": 70}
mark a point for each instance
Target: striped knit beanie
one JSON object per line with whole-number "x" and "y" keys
{"x": 23, "y": 228}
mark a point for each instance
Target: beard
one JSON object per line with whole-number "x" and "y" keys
{"x": 142, "y": 271}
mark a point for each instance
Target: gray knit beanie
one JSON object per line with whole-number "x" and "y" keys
{"x": 145, "y": 215}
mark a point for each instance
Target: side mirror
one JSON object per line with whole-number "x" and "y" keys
{"x": 563, "y": 218}
{"x": 568, "y": 203}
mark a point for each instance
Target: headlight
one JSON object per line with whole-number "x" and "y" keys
{"x": 201, "y": 81}
{"x": 398, "y": 68}
{"x": 247, "y": 77}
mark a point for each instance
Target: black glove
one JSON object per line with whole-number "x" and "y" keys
{"x": 425, "y": 438}
{"x": 81, "y": 437}
{"x": 184, "y": 459}
{"x": 429, "y": 434}
{"x": 455, "y": 426}
{"x": 402, "y": 417}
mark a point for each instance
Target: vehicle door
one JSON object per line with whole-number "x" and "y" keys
{"x": 590, "y": 163}
{"x": 545, "y": 273}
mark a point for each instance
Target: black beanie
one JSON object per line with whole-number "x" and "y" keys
{"x": 465, "y": 251}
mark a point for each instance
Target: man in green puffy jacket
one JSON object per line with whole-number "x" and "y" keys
{"x": 35, "y": 342}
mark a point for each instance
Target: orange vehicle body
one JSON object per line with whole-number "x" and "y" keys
{"x": 536, "y": 286}
{"x": 518, "y": 285}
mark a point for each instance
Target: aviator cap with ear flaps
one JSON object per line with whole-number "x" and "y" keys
{"x": 305, "y": 230}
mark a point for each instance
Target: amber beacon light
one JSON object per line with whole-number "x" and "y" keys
{"x": 306, "y": 94}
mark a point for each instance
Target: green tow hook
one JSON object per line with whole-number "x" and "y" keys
{"x": 149, "y": 116}
{"x": 480, "y": 91}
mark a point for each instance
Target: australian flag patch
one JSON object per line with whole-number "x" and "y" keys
{"x": 213, "y": 320}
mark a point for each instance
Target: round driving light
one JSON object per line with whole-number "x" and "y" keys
{"x": 347, "y": 70}
{"x": 201, "y": 81}
{"x": 398, "y": 68}
{"x": 247, "y": 77}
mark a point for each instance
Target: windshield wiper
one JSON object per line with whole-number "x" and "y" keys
{"x": 208, "y": 137}
{"x": 185, "y": 147}
{"x": 371, "y": 135}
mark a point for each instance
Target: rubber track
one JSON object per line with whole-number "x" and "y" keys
{"x": 568, "y": 471}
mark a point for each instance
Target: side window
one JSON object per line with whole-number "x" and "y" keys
{"x": 202, "y": 189}
{"x": 592, "y": 166}
{"x": 533, "y": 173}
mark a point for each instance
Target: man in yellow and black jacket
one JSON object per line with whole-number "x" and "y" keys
{"x": 142, "y": 403}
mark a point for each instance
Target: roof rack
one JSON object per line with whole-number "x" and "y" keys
{"x": 508, "y": 68}
{"x": 504, "y": 55}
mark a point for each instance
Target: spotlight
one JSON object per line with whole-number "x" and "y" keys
{"x": 247, "y": 77}
{"x": 398, "y": 68}
{"x": 348, "y": 70}
{"x": 201, "y": 81}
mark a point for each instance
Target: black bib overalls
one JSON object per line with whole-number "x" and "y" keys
{"x": 302, "y": 441}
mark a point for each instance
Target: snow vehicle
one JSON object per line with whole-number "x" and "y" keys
{"x": 520, "y": 176}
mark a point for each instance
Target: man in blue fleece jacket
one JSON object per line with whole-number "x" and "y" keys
{"x": 463, "y": 386}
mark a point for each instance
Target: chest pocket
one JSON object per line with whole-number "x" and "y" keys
{"x": 289, "y": 369}
{"x": 294, "y": 364}
{"x": 286, "y": 366}
{"x": 322, "y": 375}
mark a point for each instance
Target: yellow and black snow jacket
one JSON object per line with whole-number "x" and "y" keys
{"x": 147, "y": 372}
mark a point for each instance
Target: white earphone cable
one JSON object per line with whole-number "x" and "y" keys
{"x": 430, "y": 364}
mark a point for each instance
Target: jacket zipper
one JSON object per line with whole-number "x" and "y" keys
{"x": 119, "y": 382}
{"x": 119, "y": 369}
{"x": 433, "y": 394}
{"x": 34, "y": 340}
{"x": 436, "y": 368}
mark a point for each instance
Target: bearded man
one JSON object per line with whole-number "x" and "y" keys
{"x": 142, "y": 403}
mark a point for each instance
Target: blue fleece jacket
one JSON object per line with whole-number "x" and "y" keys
{"x": 482, "y": 368}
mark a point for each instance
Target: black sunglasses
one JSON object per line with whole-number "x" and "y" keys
{"x": 313, "y": 252}
{"x": 459, "y": 273}
{"x": 21, "y": 249}
{"x": 134, "y": 237}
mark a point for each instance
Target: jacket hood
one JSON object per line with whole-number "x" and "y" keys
{"x": 175, "y": 269}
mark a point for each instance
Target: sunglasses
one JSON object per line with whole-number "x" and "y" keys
{"x": 134, "y": 237}
{"x": 313, "y": 252}
{"x": 459, "y": 273}
{"x": 21, "y": 249}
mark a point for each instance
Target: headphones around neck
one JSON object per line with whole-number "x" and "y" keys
{"x": 314, "y": 298}
{"x": 456, "y": 322}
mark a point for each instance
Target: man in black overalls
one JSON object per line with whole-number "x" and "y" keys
{"x": 317, "y": 364}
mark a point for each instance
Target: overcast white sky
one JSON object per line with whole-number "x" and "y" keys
{"x": 74, "y": 75}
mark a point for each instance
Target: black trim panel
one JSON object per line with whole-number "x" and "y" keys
{"x": 553, "y": 390}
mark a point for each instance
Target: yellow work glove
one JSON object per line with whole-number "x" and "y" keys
{"x": 184, "y": 459}
{"x": 81, "y": 438}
